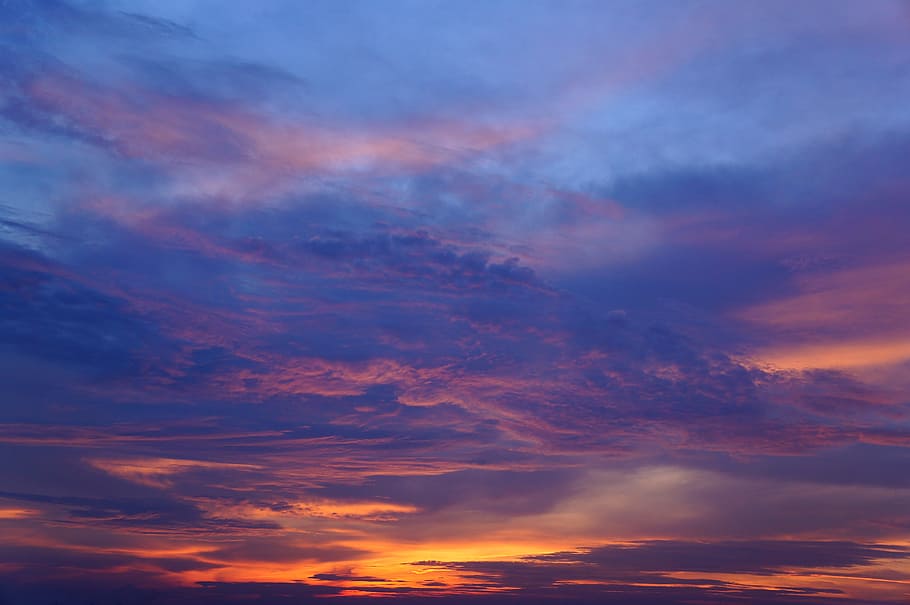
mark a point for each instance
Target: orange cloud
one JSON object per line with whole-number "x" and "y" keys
{"x": 16, "y": 513}
{"x": 839, "y": 354}
{"x": 853, "y": 318}
{"x": 156, "y": 472}
{"x": 866, "y": 298}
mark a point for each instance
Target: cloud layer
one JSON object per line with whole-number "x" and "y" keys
{"x": 504, "y": 302}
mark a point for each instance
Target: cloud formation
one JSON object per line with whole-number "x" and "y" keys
{"x": 454, "y": 302}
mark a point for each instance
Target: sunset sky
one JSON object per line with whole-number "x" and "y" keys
{"x": 454, "y": 301}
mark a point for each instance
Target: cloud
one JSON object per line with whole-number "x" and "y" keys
{"x": 654, "y": 568}
{"x": 292, "y": 297}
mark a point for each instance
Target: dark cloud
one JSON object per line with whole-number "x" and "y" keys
{"x": 334, "y": 577}
{"x": 759, "y": 557}
{"x": 503, "y": 492}
{"x": 269, "y": 550}
{"x": 52, "y": 316}
{"x": 644, "y": 567}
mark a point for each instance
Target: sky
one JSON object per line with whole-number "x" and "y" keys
{"x": 454, "y": 301}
